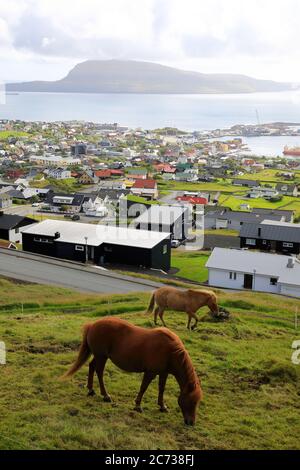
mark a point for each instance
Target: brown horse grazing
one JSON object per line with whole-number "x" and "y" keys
{"x": 134, "y": 349}
{"x": 188, "y": 301}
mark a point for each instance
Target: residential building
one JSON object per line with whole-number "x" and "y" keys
{"x": 137, "y": 173}
{"x": 59, "y": 173}
{"x": 169, "y": 219}
{"x": 100, "y": 244}
{"x": 263, "y": 272}
{"x": 64, "y": 203}
{"x": 88, "y": 177}
{"x": 269, "y": 235}
{"x": 287, "y": 189}
{"x": 5, "y": 201}
{"x": 145, "y": 188}
{"x": 246, "y": 183}
{"x": 10, "y": 226}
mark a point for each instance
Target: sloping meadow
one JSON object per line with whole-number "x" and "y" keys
{"x": 251, "y": 387}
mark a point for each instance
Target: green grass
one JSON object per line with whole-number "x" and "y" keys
{"x": 269, "y": 176}
{"x": 4, "y": 135}
{"x": 234, "y": 203}
{"x": 141, "y": 200}
{"x": 251, "y": 389}
{"x": 224, "y": 232}
{"x": 190, "y": 265}
{"x": 219, "y": 186}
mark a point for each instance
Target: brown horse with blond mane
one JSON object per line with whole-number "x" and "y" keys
{"x": 189, "y": 301}
{"x": 134, "y": 349}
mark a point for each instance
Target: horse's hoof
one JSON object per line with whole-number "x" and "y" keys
{"x": 91, "y": 393}
{"x": 138, "y": 409}
{"x": 164, "y": 409}
{"x": 107, "y": 399}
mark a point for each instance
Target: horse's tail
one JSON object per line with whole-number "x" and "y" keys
{"x": 83, "y": 355}
{"x": 151, "y": 304}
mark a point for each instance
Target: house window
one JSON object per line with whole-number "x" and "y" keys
{"x": 165, "y": 249}
{"x": 108, "y": 249}
{"x": 250, "y": 241}
{"x": 264, "y": 242}
{"x": 232, "y": 276}
{"x": 17, "y": 230}
{"x": 273, "y": 281}
{"x": 287, "y": 245}
{"x": 42, "y": 240}
{"x": 79, "y": 248}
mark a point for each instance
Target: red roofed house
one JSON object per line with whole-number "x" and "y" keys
{"x": 145, "y": 188}
{"x": 165, "y": 168}
{"x": 117, "y": 172}
{"x": 193, "y": 199}
{"x": 102, "y": 174}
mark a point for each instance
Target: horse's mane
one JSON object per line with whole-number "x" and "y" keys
{"x": 186, "y": 363}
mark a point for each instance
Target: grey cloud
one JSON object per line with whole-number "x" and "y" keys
{"x": 41, "y": 36}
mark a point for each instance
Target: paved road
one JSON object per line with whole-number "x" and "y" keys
{"x": 32, "y": 268}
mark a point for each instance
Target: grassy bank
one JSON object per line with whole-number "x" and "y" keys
{"x": 251, "y": 389}
{"x": 190, "y": 264}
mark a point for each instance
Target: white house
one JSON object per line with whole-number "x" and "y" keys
{"x": 59, "y": 173}
{"x": 263, "y": 272}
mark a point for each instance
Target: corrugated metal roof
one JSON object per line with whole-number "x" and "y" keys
{"x": 272, "y": 230}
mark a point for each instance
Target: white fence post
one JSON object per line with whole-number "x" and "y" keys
{"x": 2, "y": 353}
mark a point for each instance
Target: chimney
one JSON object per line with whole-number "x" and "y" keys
{"x": 259, "y": 232}
{"x": 291, "y": 263}
{"x": 1, "y": 213}
{"x": 56, "y": 235}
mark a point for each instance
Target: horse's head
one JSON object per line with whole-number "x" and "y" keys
{"x": 188, "y": 401}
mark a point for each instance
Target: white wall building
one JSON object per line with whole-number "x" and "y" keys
{"x": 263, "y": 272}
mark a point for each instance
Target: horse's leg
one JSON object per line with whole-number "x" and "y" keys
{"x": 92, "y": 368}
{"x": 189, "y": 321}
{"x": 156, "y": 314}
{"x": 161, "y": 389}
{"x": 161, "y": 316}
{"x": 147, "y": 379}
{"x": 100, "y": 365}
{"x": 194, "y": 315}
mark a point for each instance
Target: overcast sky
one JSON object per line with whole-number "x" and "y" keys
{"x": 43, "y": 39}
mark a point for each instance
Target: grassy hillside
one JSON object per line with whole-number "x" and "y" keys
{"x": 251, "y": 389}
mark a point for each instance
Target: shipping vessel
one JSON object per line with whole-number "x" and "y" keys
{"x": 291, "y": 152}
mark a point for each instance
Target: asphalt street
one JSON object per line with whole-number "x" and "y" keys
{"x": 42, "y": 270}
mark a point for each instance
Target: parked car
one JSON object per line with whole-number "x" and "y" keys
{"x": 175, "y": 243}
{"x": 68, "y": 216}
{"x": 75, "y": 217}
{"x": 35, "y": 204}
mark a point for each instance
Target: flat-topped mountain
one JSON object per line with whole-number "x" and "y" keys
{"x": 125, "y": 76}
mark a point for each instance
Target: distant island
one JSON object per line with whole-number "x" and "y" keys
{"x": 125, "y": 76}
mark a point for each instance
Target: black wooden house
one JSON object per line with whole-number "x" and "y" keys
{"x": 99, "y": 244}
{"x": 269, "y": 235}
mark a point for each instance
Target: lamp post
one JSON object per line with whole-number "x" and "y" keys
{"x": 86, "y": 250}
